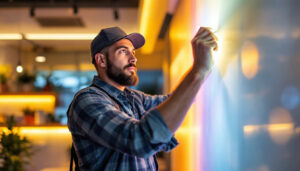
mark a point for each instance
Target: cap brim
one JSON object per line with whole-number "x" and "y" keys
{"x": 136, "y": 39}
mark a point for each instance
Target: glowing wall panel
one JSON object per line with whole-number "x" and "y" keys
{"x": 206, "y": 135}
{"x": 248, "y": 108}
{"x": 152, "y": 13}
{"x": 184, "y": 156}
{"x": 16, "y": 103}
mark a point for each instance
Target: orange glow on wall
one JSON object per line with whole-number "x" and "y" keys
{"x": 283, "y": 129}
{"x": 5, "y": 69}
{"x": 180, "y": 65}
{"x": 186, "y": 155}
{"x": 152, "y": 13}
{"x": 15, "y": 103}
{"x": 249, "y": 59}
{"x": 183, "y": 156}
{"x": 35, "y": 130}
{"x": 280, "y": 133}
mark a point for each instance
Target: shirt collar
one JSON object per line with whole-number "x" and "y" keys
{"x": 111, "y": 90}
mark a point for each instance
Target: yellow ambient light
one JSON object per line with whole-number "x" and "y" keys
{"x": 27, "y": 98}
{"x": 60, "y": 36}
{"x": 11, "y": 36}
{"x": 39, "y": 130}
{"x": 250, "y": 129}
{"x": 16, "y": 103}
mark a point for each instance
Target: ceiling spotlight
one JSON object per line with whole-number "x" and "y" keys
{"x": 19, "y": 68}
{"x": 116, "y": 14}
{"x": 32, "y": 12}
{"x": 40, "y": 59}
{"x": 75, "y": 9}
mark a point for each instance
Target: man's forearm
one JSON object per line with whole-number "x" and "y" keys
{"x": 174, "y": 109}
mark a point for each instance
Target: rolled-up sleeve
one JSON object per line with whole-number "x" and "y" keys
{"x": 100, "y": 120}
{"x": 151, "y": 101}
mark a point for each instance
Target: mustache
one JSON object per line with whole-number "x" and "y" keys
{"x": 130, "y": 65}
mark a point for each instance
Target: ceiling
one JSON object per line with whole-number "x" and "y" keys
{"x": 67, "y": 3}
{"x": 25, "y": 16}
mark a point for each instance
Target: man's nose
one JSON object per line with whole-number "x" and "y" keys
{"x": 132, "y": 58}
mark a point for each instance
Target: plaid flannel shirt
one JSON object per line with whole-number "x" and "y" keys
{"x": 115, "y": 130}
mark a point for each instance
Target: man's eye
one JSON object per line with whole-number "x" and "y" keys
{"x": 123, "y": 51}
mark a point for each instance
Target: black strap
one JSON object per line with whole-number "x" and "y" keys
{"x": 73, "y": 157}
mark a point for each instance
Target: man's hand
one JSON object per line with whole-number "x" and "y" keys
{"x": 203, "y": 43}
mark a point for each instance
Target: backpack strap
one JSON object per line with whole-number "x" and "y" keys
{"x": 74, "y": 157}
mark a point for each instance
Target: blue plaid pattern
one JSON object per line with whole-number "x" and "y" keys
{"x": 115, "y": 130}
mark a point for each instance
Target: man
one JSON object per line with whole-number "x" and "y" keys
{"x": 117, "y": 128}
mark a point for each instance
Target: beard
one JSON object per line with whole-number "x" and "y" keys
{"x": 118, "y": 75}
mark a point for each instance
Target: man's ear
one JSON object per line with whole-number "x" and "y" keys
{"x": 100, "y": 60}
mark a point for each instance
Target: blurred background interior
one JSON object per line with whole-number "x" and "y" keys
{"x": 246, "y": 117}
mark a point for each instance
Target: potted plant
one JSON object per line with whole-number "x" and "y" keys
{"x": 28, "y": 116}
{"x": 15, "y": 150}
{"x": 3, "y": 81}
{"x": 26, "y": 81}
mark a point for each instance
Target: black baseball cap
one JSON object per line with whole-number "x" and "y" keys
{"x": 109, "y": 36}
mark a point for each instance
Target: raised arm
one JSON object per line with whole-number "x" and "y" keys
{"x": 174, "y": 109}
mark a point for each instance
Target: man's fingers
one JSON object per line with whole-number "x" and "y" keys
{"x": 212, "y": 33}
{"x": 198, "y": 33}
{"x": 214, "y": 36}
{"x": 204, "y": 34}
{"x": 201, "y": 31}
{"x": 208, "y": 37}
{"x": 212, "y": 44}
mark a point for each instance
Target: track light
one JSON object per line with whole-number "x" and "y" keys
{"x": 75, "y": 9}
{"x": 32, "y": 12}
{"x": 116, "y": 14}
{"x": 19, "y": 67}
{"x": 40, "y": 59}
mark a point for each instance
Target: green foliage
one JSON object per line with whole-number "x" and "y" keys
{"x": 27, "y": 111}
{"x": 3, "y": 79}
{"x": 25, "y": 77}
{"x": 15, "y": 150}
{"x": 51, "y": 118}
